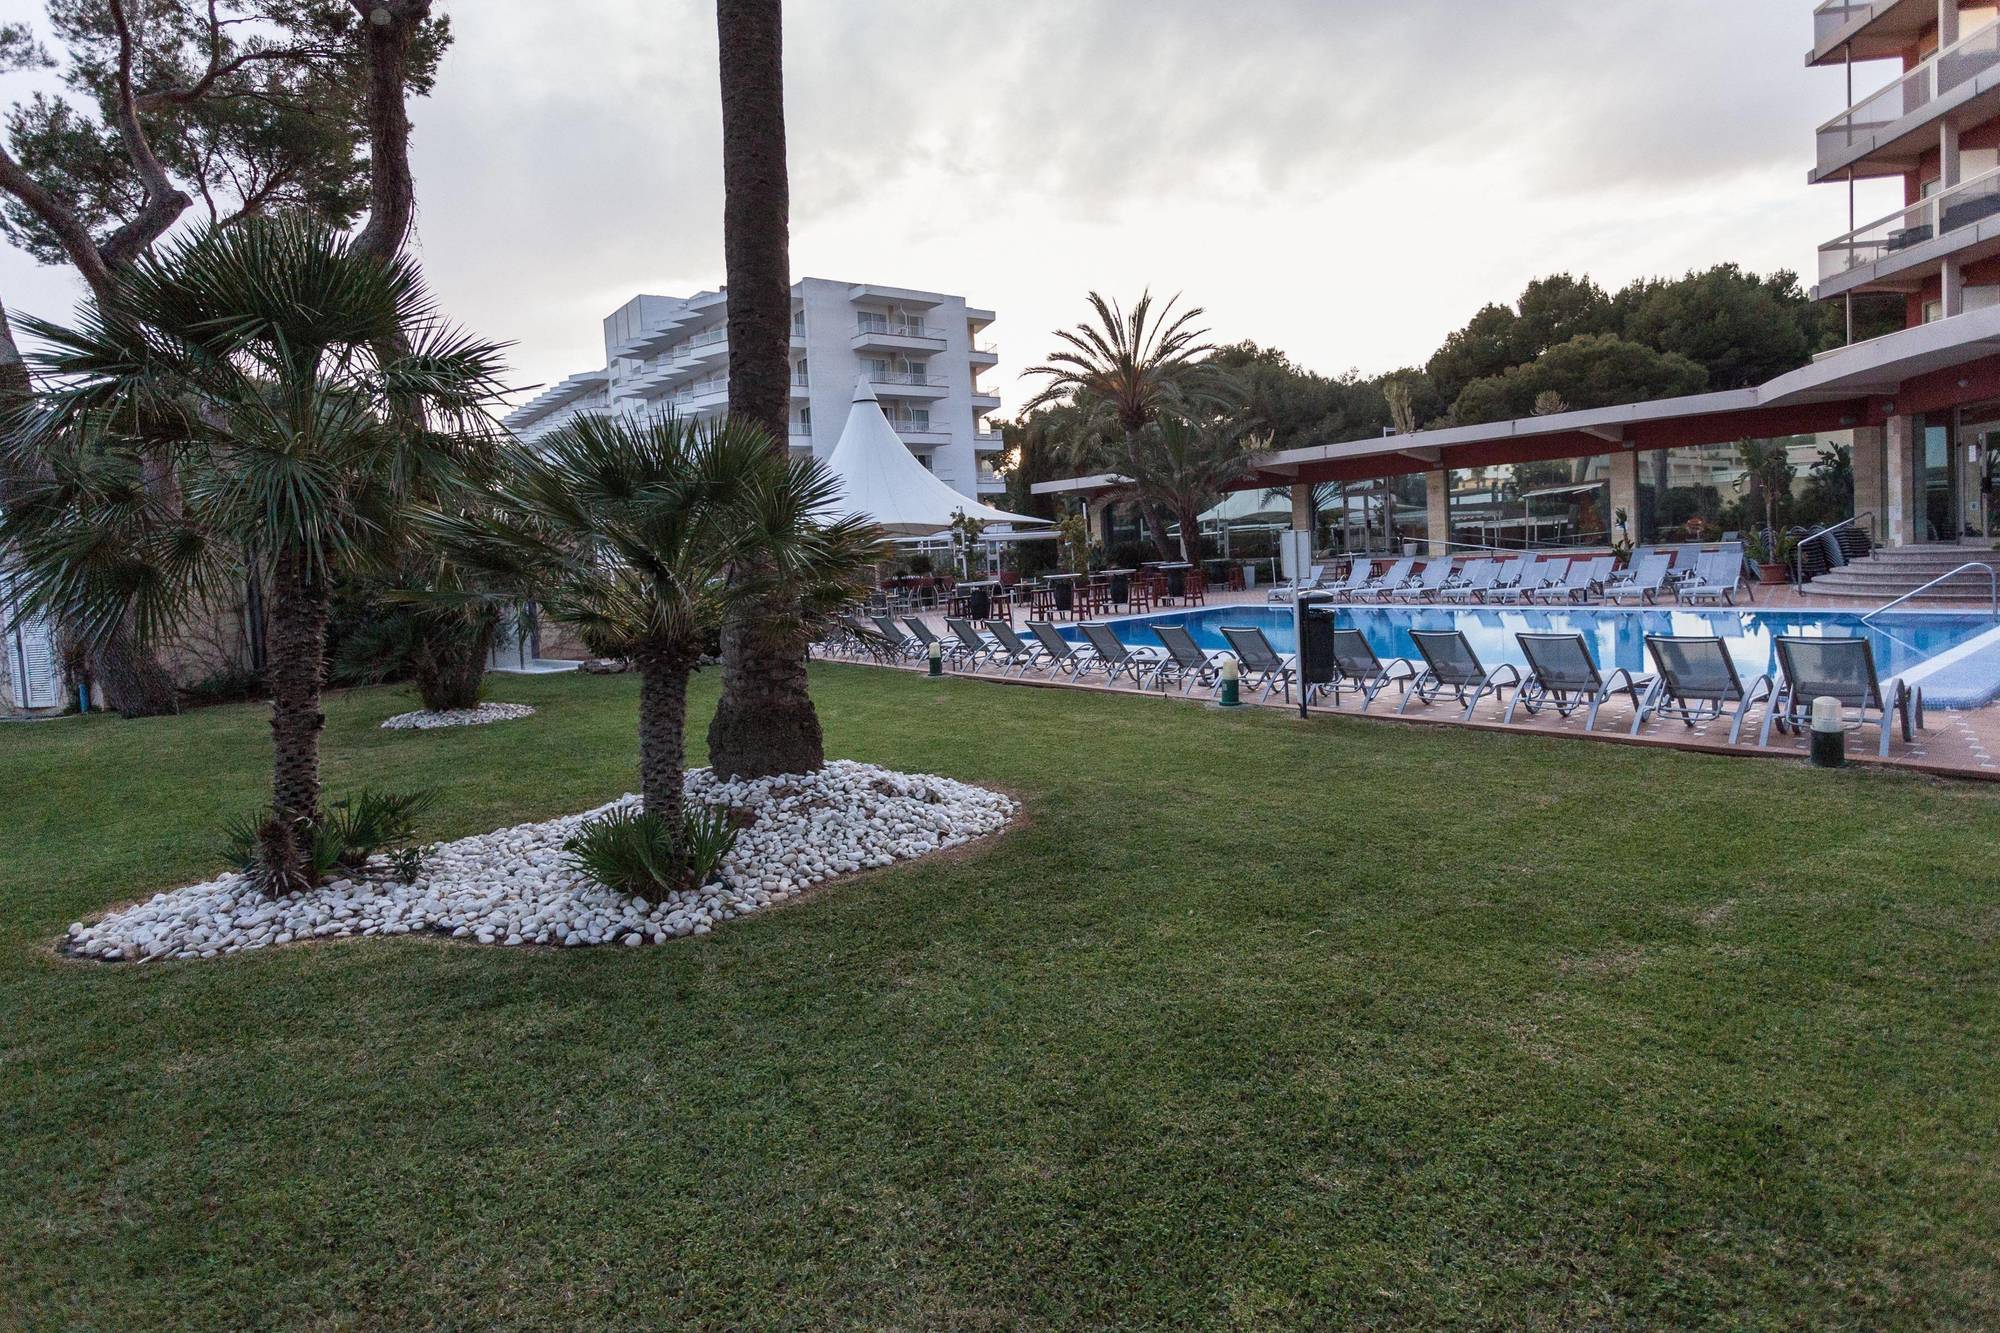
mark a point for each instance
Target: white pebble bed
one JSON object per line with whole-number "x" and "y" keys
{"x": 515, "y": 886}
{"x": 425, "y": 719}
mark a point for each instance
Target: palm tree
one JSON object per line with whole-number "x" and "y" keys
{"x": 629, "y": 531}
{"x": 1181, "y": 467}
{"x": 1126, "y": 371}
{"x": 246, "y": 369}
{"x": 765, "y": 722}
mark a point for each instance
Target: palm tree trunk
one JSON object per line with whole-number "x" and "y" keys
{"x": 295, "y": 678}
{"x": 450, "y": 661}
{"x": 663, "y": 683}
{"x": 765, "y": 722}
{"x": 1190, "y": 519}
{"x": 127, "y": 677}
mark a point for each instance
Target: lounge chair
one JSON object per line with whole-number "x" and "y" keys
{"x": 1058, "y": 653}
{"x": 1507, "y": 580}
{"x": 1426, "y": 586}
{"x": 869, "y": 639}
{"x": 1718, "y": 576}
{"x": 1378, "y": 589}
{"x": 1261, "y": 663}
{"x": 1450, "y": 664}
{"x": 1698, "y": 683}
{"x": 1477, "y": 577}
{"x": 1359, "y": 577}
{"x": 1563, "y": 675}
{"x": 1291, "y": 588}
{"x": 1187, "y": 662}
{"x": 1647, "y": 579}
{"x": 1013, "y": 650}
{"x": 1845, "y": 670}
{"x": 1362, "y": 671}
{"x": 903, "y": 644}
{"x": 1534, "y": 575}
{"x": 1113, "y": 657}
{"x": 921, "y": 631}
{"x": 973, "y": 648}
{"x": 1575, "y": 581}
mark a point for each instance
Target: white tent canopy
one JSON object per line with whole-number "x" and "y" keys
{"x": 882, "y": 480}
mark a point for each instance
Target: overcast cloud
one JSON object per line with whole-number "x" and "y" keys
{"x": 1343, "y": 179}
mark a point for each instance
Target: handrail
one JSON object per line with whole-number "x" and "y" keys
{"x": 1799, "y": 551}
{"x": 1992, "y": 579}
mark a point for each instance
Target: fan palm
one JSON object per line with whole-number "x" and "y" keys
{"x": 630, "y": 531}
{"x": 1180, "y": 467}
{"x": 261, "y": 399}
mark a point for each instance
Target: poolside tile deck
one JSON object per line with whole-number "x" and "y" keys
{"x": 1954, "y": 743}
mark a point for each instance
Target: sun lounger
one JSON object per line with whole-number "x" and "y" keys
{"x": 904, "y": 644}
{"x": 1260, "y": 662}
{"x": 1563, "y": 675}
{"x": 1187, "y": 663}
{"x": 1114, "y": 658}
{"x": 972, "y": 648}
{"x": 1845, "y": 670}
{"x": 1014, "y": 651}
{"x": 1647, "y": 578}
{"x": 1533, "y": 575}
{"x": 1378, "y": 589}
{"x": 1426, "y": 586}
{"x": 921, "y": 631}
{"x": 1450, "y": 664}
{"x": 1362, "y": 671}
{"x": 1059, "y": 654}
{"x": 1290, "y": 588}
{"x": 1506, "y": 580}
{"x": 1698, "y": 683}
{"x": 869, "y": 639}
{"x": 1718, "y": 576}
{"x": 1476, "y": 578}
{"x": 1574, "y": 581}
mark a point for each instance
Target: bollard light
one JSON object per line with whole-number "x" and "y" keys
{"x": 1829, "y": 733}
{"x": 1232, "y": 678}
{"x": 937, "y": 658}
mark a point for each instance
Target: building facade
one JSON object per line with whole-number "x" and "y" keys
{"x": 921, "y": 351}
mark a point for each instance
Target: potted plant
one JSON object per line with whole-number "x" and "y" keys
{"x": 1622, "y": 548}
{"x": 1766, "y": 550}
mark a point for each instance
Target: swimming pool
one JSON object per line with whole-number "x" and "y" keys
{"x": 1617, "y": 637}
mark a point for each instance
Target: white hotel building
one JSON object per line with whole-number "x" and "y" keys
{"x": 920, "y": 350}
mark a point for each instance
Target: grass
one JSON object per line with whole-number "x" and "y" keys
{"x": 1253, "y": 1022}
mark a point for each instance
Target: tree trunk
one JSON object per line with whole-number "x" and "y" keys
{"x": 450, "y": 665}
{"x": 1191, "y": 535}
{"x": 765, "y": 722}
{"x": 663, "y": 683}
{"x": 392, "y": 193}
{"x": 1156, "y": 528}
{"x": 296, "y": 675}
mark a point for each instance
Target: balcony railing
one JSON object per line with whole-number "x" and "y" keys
{"x": 917, "y": 378}
{"x": 914, "y": 426}
{"x": 895, "y": 327}
{"x": 1942, "y": 213}
{"x": 991, "y": 349}
{"x": 710, "y": 338}
{"x": 800, "y": 429}
{"x": 701, "y": 388}
{"x": 1833, "y": 17}
{"x": 1964, "y": 60}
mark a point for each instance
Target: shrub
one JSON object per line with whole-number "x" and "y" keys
{"x": 646, "y": 856}
{"x": 347, "y": 834}
{"x": 225, "y": 685}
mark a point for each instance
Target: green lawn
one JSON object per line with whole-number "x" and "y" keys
{"x": 1253, "y": 1022}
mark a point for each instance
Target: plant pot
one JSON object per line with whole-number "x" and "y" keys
{"x": 1770, "y": 575}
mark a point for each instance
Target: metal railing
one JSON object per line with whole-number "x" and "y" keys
{"x": 1992, "y": 582}
{"x": 1861, "y": 124}
{"x": 1799, "y": 551}
{"x": 895, "y": 328}
{"x": 906, "y": 377}
{"x": 1969, "y": 202}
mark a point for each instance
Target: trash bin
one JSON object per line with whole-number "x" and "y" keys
{"x": 981, "y": 603}
{"x": 1177, "y": 583}
{"x": 1121, "y": 589}
{"x": 1065, "y": 596}
{"x": 1316, "y": 662}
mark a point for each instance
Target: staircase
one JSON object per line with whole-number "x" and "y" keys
{"x": 1889, "y": 572}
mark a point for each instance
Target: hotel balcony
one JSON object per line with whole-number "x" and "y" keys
{"x": 1876, "y": 29}
{"x": 709, "y": 345}
{"x": 1898, "y": 252}
{"x": 987, "y": 441}
{"x": 983, "y": 355}
{"x": 983, "y": 401}
{"x": 921, "y": 434}
{"x": 1888, "y": 132}
{"x": 991, "y": 482}
{"x": 907, "y": 384}
{"x": 880, "y": 333}
{"x": 702, "y": 394}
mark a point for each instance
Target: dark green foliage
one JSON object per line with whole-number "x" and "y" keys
{"x": 348, "y": 832}
{"x": 1590, "y": 370}
{"x": 646, "y": 856}
{"x": 224, "y": 685}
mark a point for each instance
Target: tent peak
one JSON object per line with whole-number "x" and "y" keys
{"x": 864, "y": 392}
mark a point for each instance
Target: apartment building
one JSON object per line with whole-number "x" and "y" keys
{"x": 921, "y": 351}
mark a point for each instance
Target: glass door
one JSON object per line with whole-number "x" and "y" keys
{"x": 1937, "y": 479}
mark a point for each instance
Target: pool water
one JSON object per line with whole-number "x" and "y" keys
{"x": 1616, "y": 637}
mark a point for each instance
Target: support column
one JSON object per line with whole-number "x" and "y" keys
{"x": 1437, "y": 510}
{"x": 1899, "y": 490}
{"x": 1951, "y": 279}
{"x": 1625, "y": 491}
{"x": 1870, "y": 454}
{"x": 1302, "y": 506}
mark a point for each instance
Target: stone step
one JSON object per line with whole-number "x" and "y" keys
{"x": 1849, "y": 592}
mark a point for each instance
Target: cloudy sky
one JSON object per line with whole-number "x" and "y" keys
{"x": 1345, "y": 179}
